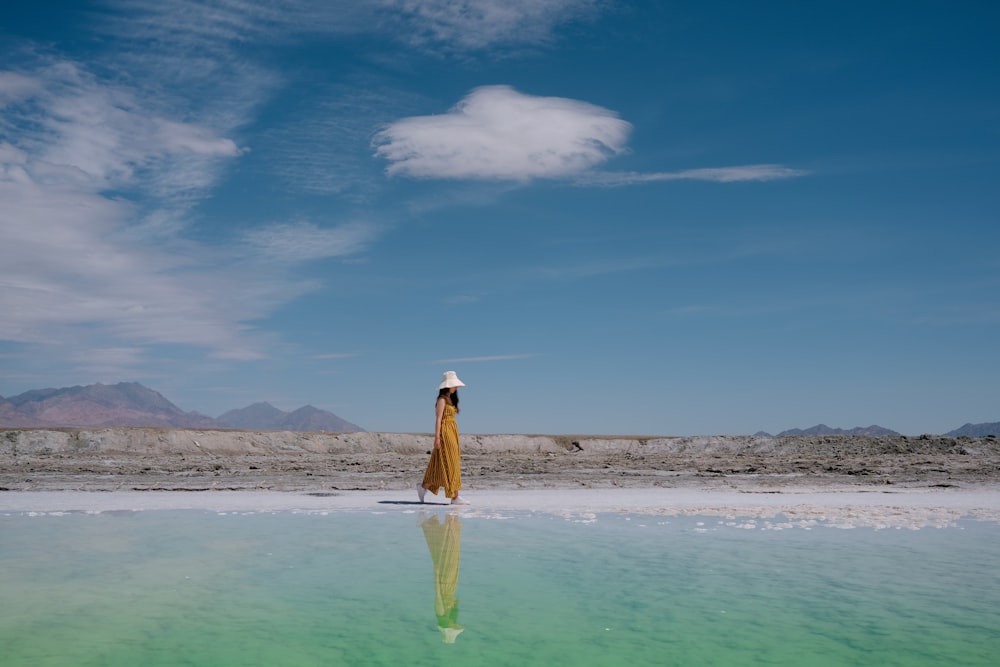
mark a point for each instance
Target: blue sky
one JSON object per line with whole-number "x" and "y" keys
{"x": 609, "y": 217}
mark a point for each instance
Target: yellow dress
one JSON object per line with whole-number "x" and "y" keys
{"x": 445, "y": 467}
{"x": 444, "y": 540}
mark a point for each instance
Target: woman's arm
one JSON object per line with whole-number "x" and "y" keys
{"x": 438, "y": 415}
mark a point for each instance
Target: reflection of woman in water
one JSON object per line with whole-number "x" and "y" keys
{"x": 445, "y": 467}
{"x": 444, "y": 540}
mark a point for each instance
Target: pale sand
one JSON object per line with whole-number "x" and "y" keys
{"x": 915, "y": 508}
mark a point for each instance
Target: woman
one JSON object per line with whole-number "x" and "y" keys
{"x": 444, "y": 468}
{"x": 444, "y": 540}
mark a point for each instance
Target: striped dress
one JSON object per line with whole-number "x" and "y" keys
{"x": 445, "y": 467}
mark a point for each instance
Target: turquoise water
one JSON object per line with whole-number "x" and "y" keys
{"x": 353, "y": 588}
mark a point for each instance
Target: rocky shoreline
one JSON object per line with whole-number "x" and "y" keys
{"x": 148, "y": 459}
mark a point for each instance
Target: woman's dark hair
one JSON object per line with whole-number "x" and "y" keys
{"x": 454, "y": 397}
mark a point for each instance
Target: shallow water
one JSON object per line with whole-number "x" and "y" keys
{"x": 361, "y": 588}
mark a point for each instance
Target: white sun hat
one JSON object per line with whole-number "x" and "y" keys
{"x": 449, "y": 635}
{"x": 450, "y": 379}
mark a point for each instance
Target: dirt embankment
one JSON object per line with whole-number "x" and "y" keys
{"x": 178, "y": 459}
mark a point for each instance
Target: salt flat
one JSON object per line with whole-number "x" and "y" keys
{"x": 914, "y": 508}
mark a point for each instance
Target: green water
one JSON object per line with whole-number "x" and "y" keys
{"x": 351, "y": 588}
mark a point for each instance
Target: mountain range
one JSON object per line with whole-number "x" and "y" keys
{"x": 972, "y": 430}
{"x": 132, "y": 404}
{"x": 823, "y": 429}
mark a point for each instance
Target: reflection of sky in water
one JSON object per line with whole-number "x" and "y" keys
{"x": 354, "y": 588}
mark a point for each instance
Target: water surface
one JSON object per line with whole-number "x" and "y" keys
{"x": 418, "y": 588}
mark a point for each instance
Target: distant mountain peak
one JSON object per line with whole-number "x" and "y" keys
{"x": 983, "y": 430}
{"x": 823, "y": 429}
{"x": 266, "y": 417}
{"x": 122, "y": 404}
{"x": 132, "y": 404}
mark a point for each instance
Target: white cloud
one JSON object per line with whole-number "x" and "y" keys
{"x": 499, "y": 133}
{"x": 99, "y": 175}
{"x": 93, "y": 136}
{"x": 62, "y": 269}
{"x": 173, "y": 137}
{"x": 95, "y": 187}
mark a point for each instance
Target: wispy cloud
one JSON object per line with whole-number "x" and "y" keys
{"x": 720, "y": 311}
{"x": 744, "y": 173}
{"x": 113, "y": 362}
{"x": 65, "y": 258}
{"x": 218, "y": 24}
{"x": 499, "y": 133}
{"x": 495, "y": 357}
{"x": 480, "y": 24}
{"x": 454, "y": 25}
{"x": 15, "y": 87}
{"x": 324, "y": 148}
{"x": 597, "y": 267}
{"x": 462, "y": 299}
{"x": 92, "y": 182}
{"x": 85, "y": 134}
{"x": 305, "y": 241}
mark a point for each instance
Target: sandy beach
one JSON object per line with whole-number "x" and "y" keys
{"x": 853, "y": 480}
